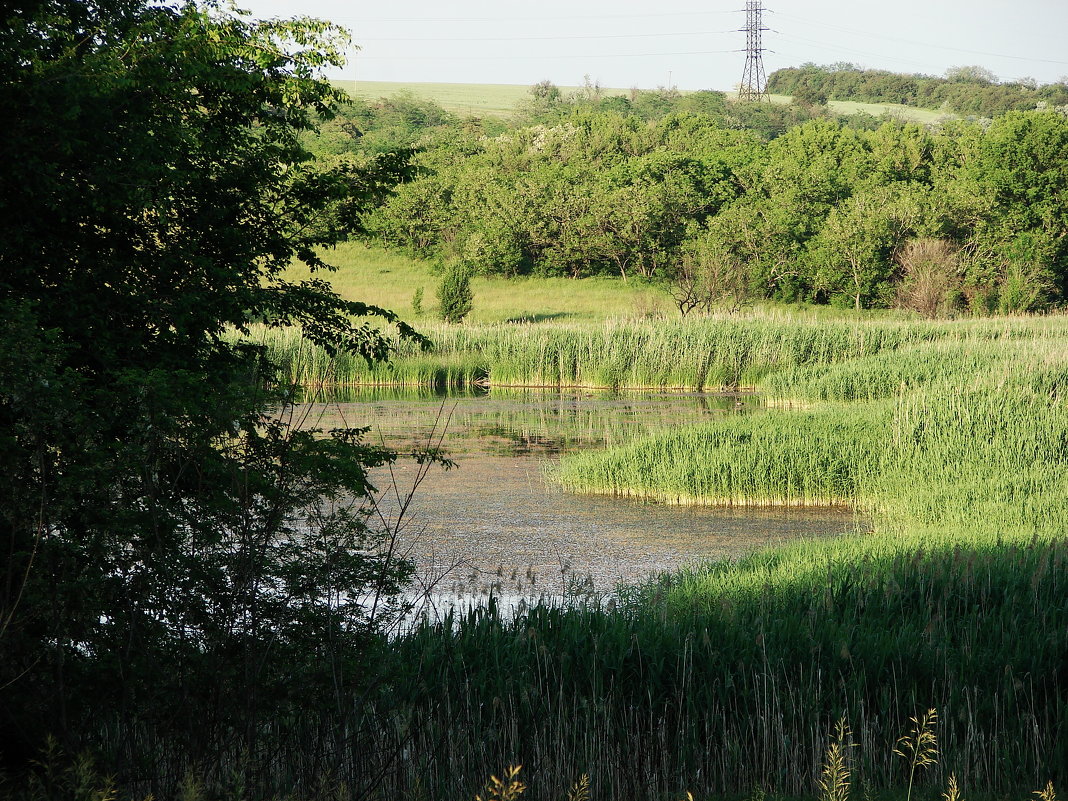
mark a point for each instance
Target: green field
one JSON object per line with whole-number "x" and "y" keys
{"x": 465, "y": 99}
{"x": 499, "y": 100}
{"x": 389, "y": 278}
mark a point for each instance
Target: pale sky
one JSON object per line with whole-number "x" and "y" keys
{"x": 695, "y": 44}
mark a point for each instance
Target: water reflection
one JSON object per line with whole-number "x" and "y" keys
{"x": 496, "y": 522}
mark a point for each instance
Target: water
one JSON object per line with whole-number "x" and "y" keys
{"x": 496, "y": 523}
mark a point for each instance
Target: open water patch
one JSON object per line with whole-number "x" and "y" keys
{"x": 496, "y": 525}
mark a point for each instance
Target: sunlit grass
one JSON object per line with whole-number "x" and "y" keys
{"x": 730, "y": 675}
{"x": 465, "y": 99}
{"x": 390, "y": 279}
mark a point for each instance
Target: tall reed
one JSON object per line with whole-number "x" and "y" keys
{"x": 704, "y": 354}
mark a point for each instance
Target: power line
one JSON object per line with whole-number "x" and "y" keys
{"x": 835, "y": 47}
{"x": 362, "y": 57}
{"x": 658, "y": 14}
{"x": 844, "y": 29}
{"x": 542, "y": 38}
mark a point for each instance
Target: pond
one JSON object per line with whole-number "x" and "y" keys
{"x": 496, "y": 522}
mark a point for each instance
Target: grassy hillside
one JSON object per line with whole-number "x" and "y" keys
{"x": 389, "y": 279}
{"x": 490, "y": 99}
{"x": 465, "y": 99}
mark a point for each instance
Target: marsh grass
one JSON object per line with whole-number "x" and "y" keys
{"x": 779, "y": 458}
{"x": 698, "y": 355}
{"x": 728, "y": 676}
{"x": 792, "y": 356}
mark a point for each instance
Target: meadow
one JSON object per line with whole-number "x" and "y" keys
{"x": 465, "y": 99}
{"x": 500, "y": 100}
{"x": 390, "y": 279}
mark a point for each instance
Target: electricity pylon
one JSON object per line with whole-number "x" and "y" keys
{"x": 754, "y": 81}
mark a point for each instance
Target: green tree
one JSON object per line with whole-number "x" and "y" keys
{"x": 852, "y": 252}
{"x": 455, "y": 297}
{"x": 182, "y": 563}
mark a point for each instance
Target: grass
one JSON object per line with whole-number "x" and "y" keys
{"x": 500, "y": 100}
{"x": 390, "y": 279}
{"x": 730, "y": 676}
{"x": 465, "y": 99}
{"x": 965, "y": 435}
{"x": 774, "y": 459}
{"x": 924, "y": 116}
{"x": 724, "y": 352}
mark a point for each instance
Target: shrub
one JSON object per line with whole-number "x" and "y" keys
{"x": 931, "y": 282}
{"x": 455, "y": 298}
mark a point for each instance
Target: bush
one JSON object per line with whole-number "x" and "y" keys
{"x": 455, "y": 298}
{"x": 931, "y": 282}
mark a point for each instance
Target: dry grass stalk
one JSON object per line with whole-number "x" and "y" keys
{"x": 952, "y": 792}
{"x": 920, "y": 745}
{"x": 507, "y": 789}
{"x": 834, "y": 780}
{"x": 580, "y": 790}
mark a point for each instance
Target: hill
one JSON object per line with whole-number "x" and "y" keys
{"x": 499, "y": 100}
{"x": 464, "y": 99}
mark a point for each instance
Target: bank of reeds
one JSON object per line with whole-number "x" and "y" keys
{"x": 969, "y": 436}
{"x": 777, "y": 458}
{"x": 697, "y": 355}
{"x": 730, "y": 677}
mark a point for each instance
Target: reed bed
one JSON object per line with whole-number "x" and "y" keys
{"x": 727, "y": 679}
{"x": 730, "y": 677}
{"x": 775, "y": 459}
{"x": 968, "y": 435}
{"x": 699, "y": 355}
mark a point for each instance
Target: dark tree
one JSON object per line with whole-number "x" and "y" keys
{"x": 184, "y": 567}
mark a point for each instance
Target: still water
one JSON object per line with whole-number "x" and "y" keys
{"x": 496, "y": 522}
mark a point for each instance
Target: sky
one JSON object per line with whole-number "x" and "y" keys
{"x": 682, "y": 43}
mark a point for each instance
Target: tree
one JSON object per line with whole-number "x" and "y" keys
{"x": 182, "y": 562}
{"x": 852, "y": 250}
{"x": 971, "y": 73}
{"x": 708, "y": 275}
{"x": 455, "y": 298}
{"x": 931, "y": 282}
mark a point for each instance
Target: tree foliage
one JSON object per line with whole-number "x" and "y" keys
{"x": 455, "y": 298}
{"x": 964, "y": 89}
{"x": 816, "y": 213}
{"x": 183, "y": 560}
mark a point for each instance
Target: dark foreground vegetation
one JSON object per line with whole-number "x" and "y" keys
{"x": 197, "y": 599}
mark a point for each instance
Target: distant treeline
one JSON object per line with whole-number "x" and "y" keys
{"x": 401, "y": 120}
{"x": 970, "y": 216}
{"x": 964, "y": 90}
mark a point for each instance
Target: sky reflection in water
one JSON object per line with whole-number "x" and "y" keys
{"x": 495, "y": 521}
